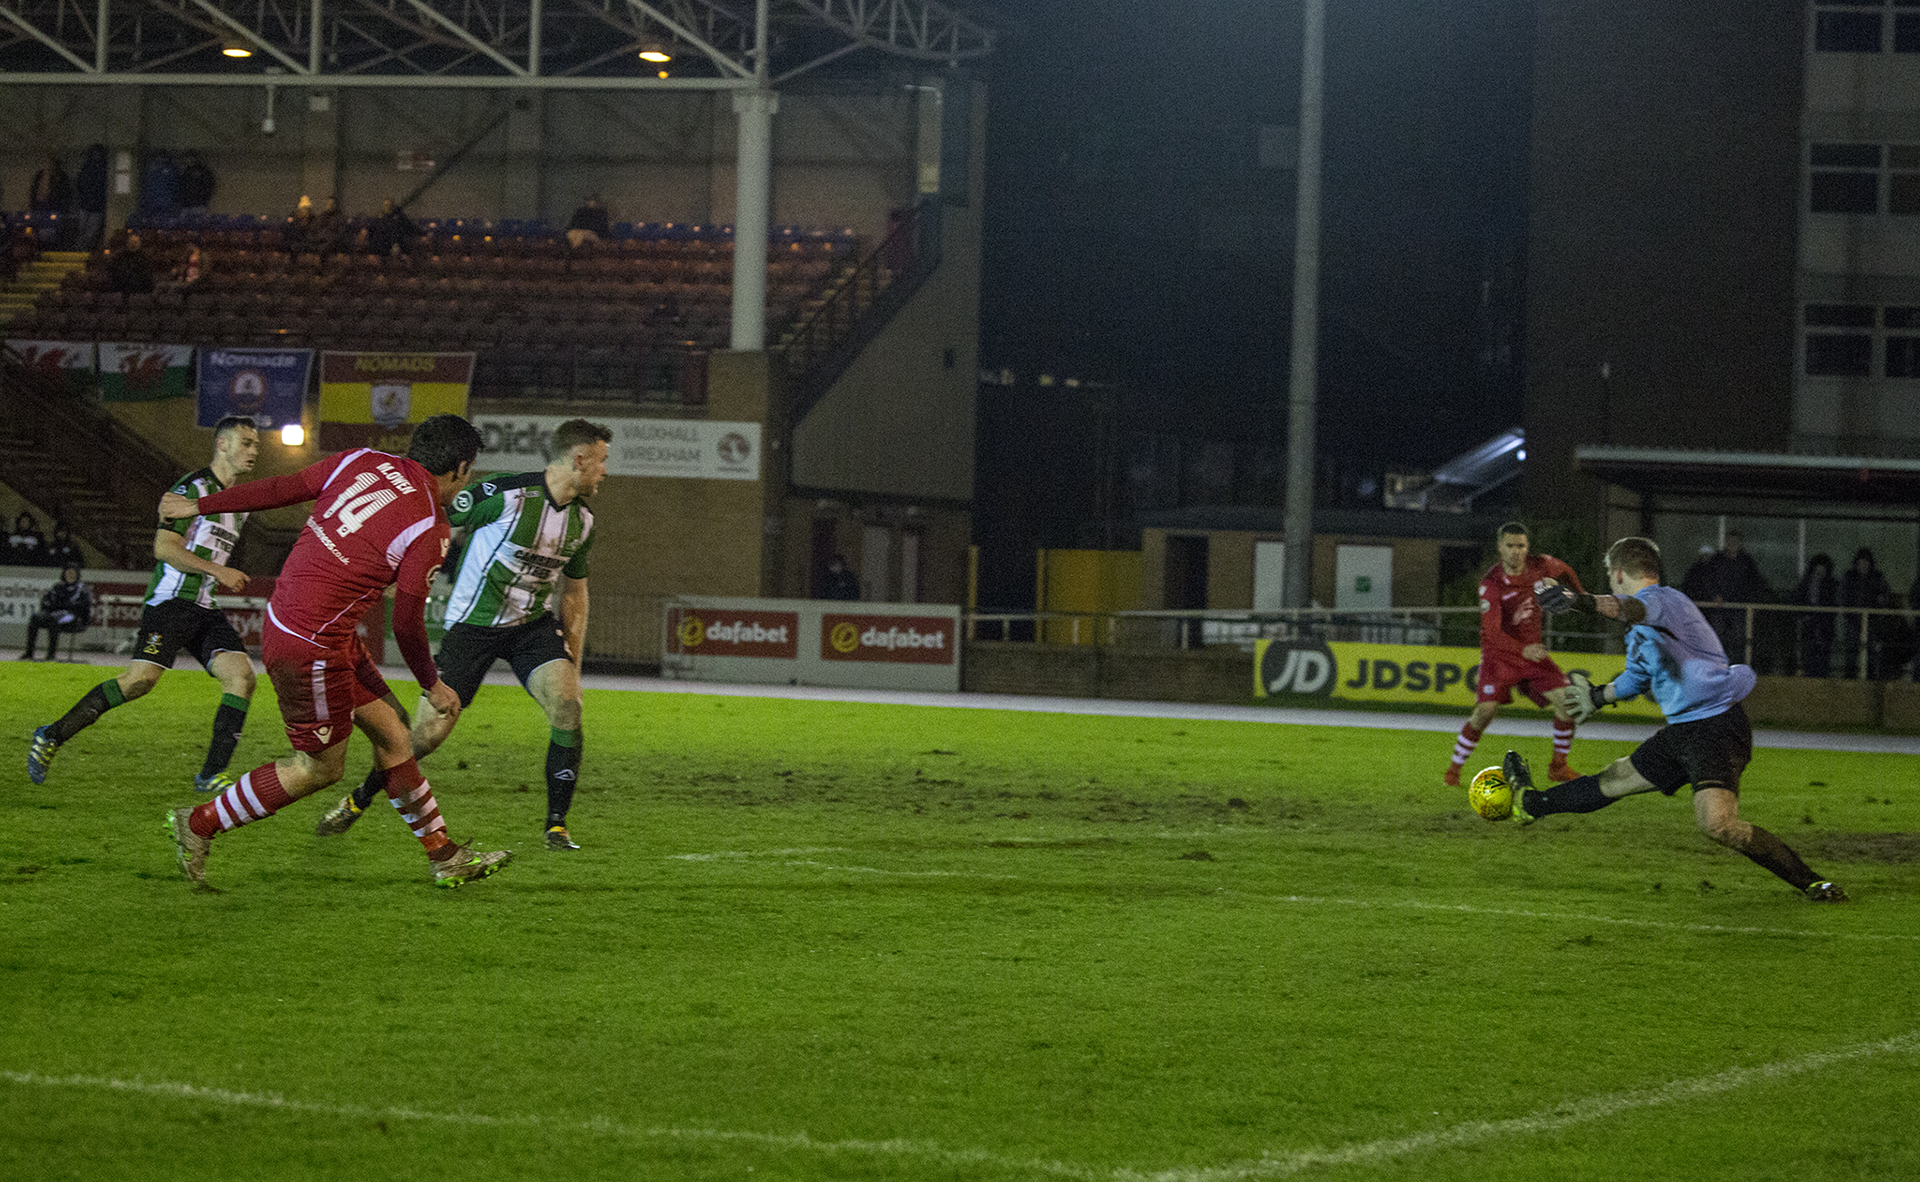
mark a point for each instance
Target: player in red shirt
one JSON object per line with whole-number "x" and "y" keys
{"x": 377, "y": 522}
{"x": 1512, "y": 654}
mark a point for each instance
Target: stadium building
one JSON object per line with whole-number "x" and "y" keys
{"x": 783, "y": 297}
{"x": 1724, "y": 277}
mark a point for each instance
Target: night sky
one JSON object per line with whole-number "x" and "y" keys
{"x": 1135, "y": 237}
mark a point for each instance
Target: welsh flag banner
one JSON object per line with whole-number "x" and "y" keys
{"x": 141, "y": 373}
{"x": 374, "y": 399}
{"x": 71, "y": 361}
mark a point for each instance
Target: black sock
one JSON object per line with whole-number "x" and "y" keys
{"x": 563, "y": 767}
{"x": 372, "y": 786}
{"x": 98, "y": 700}
{"x": 1769, "y": 851}
{"x": 1575, "y": 796}
{"x": 227, "y": 723}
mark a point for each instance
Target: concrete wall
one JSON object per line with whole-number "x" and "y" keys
{"x": 1416, "y": 567}
{"x": 900, "y": 420}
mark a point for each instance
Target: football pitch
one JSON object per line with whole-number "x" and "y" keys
{"x": 838, "y": 940}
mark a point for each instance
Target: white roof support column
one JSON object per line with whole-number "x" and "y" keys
{"x": 753, "y": 198}
{"x": 752, "y": 217}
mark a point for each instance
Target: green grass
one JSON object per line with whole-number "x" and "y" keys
{"x": 844, "y": 941}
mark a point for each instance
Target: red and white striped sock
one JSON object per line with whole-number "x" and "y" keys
{"x": 1562, "y": 739}
{"x": 412, "y": 797}
{"x": 257, "y": 795}
{"x": 1464, "y": 745}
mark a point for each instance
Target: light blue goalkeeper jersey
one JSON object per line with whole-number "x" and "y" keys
{"x": 1674, "y": 658}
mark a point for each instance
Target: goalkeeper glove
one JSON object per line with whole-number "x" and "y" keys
{"x": 1584, "y": 698}
{"x": 1556, "y": 598}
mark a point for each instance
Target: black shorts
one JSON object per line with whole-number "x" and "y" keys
{"x": 467, "y": 652}
{"x": 166, "y": 628}
{"x": 1707, "y": 753}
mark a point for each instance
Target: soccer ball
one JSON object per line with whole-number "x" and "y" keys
{"x": 1490, "y": 795}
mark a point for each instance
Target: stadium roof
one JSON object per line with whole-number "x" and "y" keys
{"x": 1769, "y": 475}
{"x": 536, "y": 44}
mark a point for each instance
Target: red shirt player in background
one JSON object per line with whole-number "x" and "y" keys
{"x": 378, "y": 521}
{"x": 1512, "y": 654}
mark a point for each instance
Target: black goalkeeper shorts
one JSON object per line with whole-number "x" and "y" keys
{"x": 1707, "y": 753}
{"x": 468, "y": 651}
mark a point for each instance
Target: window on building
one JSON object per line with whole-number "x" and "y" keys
{"x": 1845, "y": 178}
{"x": 1848, "y": 27}
{"x": 1903, "y": 178}
{"x": 1839, "y": 340}
{"x": 1903, "y": 342}
{"x": 1906, "y": 26}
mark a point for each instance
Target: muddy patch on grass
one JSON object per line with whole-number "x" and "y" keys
{"x": 1871, "y": 847}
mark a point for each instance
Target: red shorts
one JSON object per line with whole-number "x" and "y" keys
{"x": 1532, "y": 678}
{"x": 319, "y": 689}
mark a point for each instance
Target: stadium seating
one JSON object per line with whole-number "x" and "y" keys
{"x": 615, "y": 321}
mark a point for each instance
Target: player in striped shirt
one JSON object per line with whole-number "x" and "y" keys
{"x": 193, "y": 556}
{"x": 524, "y": 532}
{"x": 377, "y": 523}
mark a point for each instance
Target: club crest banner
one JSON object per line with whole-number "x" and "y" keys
{"x": 141, "y": 373}
{"x": 70, "y": 361}
{"x": 375, "y": 399}
{"x": 268, "y": 385}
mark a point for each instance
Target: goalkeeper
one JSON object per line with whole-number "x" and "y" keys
{"x": 1674, "y": 657}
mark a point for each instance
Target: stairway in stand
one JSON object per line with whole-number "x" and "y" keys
{"x": 36, "y": 279}
{"x": 69, "y": 458}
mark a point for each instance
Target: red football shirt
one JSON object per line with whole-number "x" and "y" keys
{"x": 1509, "y": 613}
{"x": 376, "y": 523}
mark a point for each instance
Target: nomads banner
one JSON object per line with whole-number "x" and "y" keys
{"x": 376, "y": 399}
{"x": 69, "y": 361}
{"x": 267, "y": 385}
{"x": 1408, "y": 673}
{"x": 141, "y": 373}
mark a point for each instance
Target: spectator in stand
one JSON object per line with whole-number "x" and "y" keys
{"x": 26, "y": 543}
{"x": 62, "y": 551}
{"x": 1818, "y": 588}
{"x": 297, "y": 238}
{"x": 90, "y": 199}
{"x": 186, "y": 277}
{"x": 196, "y": 184}
{"x": 25, "y": 246}
{"x": 130, "y": 269}
{"x": 1863, "y": 586}
{"x": 589, "y": 224}
{"x": 1740, "y": 581}
{"x": 9, "y": 269}
{"x": 393, "y": 232}
{"x": 160, "y": 186}
{"x": 52, "y": 190}
{"x": 1913, "y": 610}
{"x": 328, "y": 234}
{"x": 840, "y": 582}
{"x": 66, "y": 607}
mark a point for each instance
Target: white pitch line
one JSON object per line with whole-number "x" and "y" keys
{"x": 1560, "y": 1116}
{"x": 1578, "y": 917}
{"x": 1357, "y": 904}
{"x": 797, "y": 1142}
